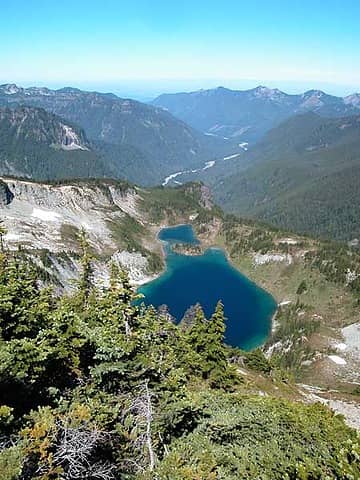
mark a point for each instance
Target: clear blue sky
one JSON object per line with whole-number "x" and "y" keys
{"x": 143, "y": 45}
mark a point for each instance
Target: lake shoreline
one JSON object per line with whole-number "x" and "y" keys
{"x": 211, "y": 271}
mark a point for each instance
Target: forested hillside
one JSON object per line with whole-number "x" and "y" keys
{"x": 37, "y": 144}
{"x": 246, "y": 115}
{"x": 136, "y": 141}
{"x": 303, "y": 176}
{"x": 95, "y": 387}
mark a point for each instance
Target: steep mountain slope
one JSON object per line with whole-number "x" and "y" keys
{"x": 37, "y": 144}
{"x": 133, "y": 136}
{"x": 120, "y": 219}
{"x": 92, "y": 386}
{"x": 304, "y": 175}
{"x": 121, "y": 222}
{"x": 247, "y": 115}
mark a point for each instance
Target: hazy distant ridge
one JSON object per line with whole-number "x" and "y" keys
{"x": 249, "y": 114}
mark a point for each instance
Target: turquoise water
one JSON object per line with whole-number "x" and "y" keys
{"x": 205, "y": 279}
{"x": 180, "y": 234}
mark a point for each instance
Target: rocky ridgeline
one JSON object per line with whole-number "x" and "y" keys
{"x": 120, "y": 221}
{"x": 76, "y": 197}
{"x": 44, "y": 217}
{"x": 128, "y": 136}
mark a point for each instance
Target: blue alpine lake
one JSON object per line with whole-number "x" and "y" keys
{"x": 206, "y": 279}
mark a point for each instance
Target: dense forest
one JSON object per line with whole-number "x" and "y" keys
{"x": 93, "y": 385}
{"x": 303, "y": 176}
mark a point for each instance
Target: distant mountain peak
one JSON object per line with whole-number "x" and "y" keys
{"x": 265, "y": 92}
{"x": 10, "y": 88}
{"x": 314, "y": 93}
{"x": 68, "y": 90}
{"x": 261, "y": 91}
{"x": 220, "y": 90}
{"x": 37, "y": 91}
{"x": 313, "y": 99}
{"x": 261, "y": 88}
{"x": 13, "y": 89}
{"x": 128, "y": 138}
{"x": 353, "y": 99}
{"x": 248, "y": 114}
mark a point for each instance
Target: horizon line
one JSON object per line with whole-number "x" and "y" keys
{"x": 127, "y": 85}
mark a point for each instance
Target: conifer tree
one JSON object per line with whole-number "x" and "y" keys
{"x": 197, "y": 331}
{"x": 123, "y": 298}
{"x": 219, "y": 368}
{"x": 23, "y": 306}
{"x": 114, "y": 319}
{"x": 207, "y": 339}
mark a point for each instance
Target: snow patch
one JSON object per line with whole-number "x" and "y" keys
{"x": 351, "y": 336}
{"x": 45, "y": 215}
{"x": 288, "y": 241}
{"x": 351, "y": 276}
{"x": 12, "y": 237}
{"x": 351, "y": 411}
{"x": 11, "y": 89}
{"x": 337, "y": 360}
{"x": 262, "y": 259}
{"x": 209, "y": 164}
{"x": 232, "y": 156}
{"x": 170, "y": 177}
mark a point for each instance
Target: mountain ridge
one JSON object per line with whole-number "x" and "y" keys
{"x": 37, "y": 144}
{"x": 302, "y": 176}
{"x": 249, "y": 114}
{"x": 126, "y": 130}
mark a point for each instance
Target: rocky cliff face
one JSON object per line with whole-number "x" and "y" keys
{"x": 48, "y": 217}
{"x": 120, "y": 221}
{"x": 39, "y": 145}
{"x": 40, "y": 214}
{"x": 36, "y": 125}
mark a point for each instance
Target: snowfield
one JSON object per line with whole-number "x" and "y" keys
{"x": 288, "y": 241}
{"x": 232, "y": 156}
{"x": 262, "y": 259}
{"x": 351, "y": 336}
{"x": 337, "y": 360}
{"x": 45, "y": 215}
